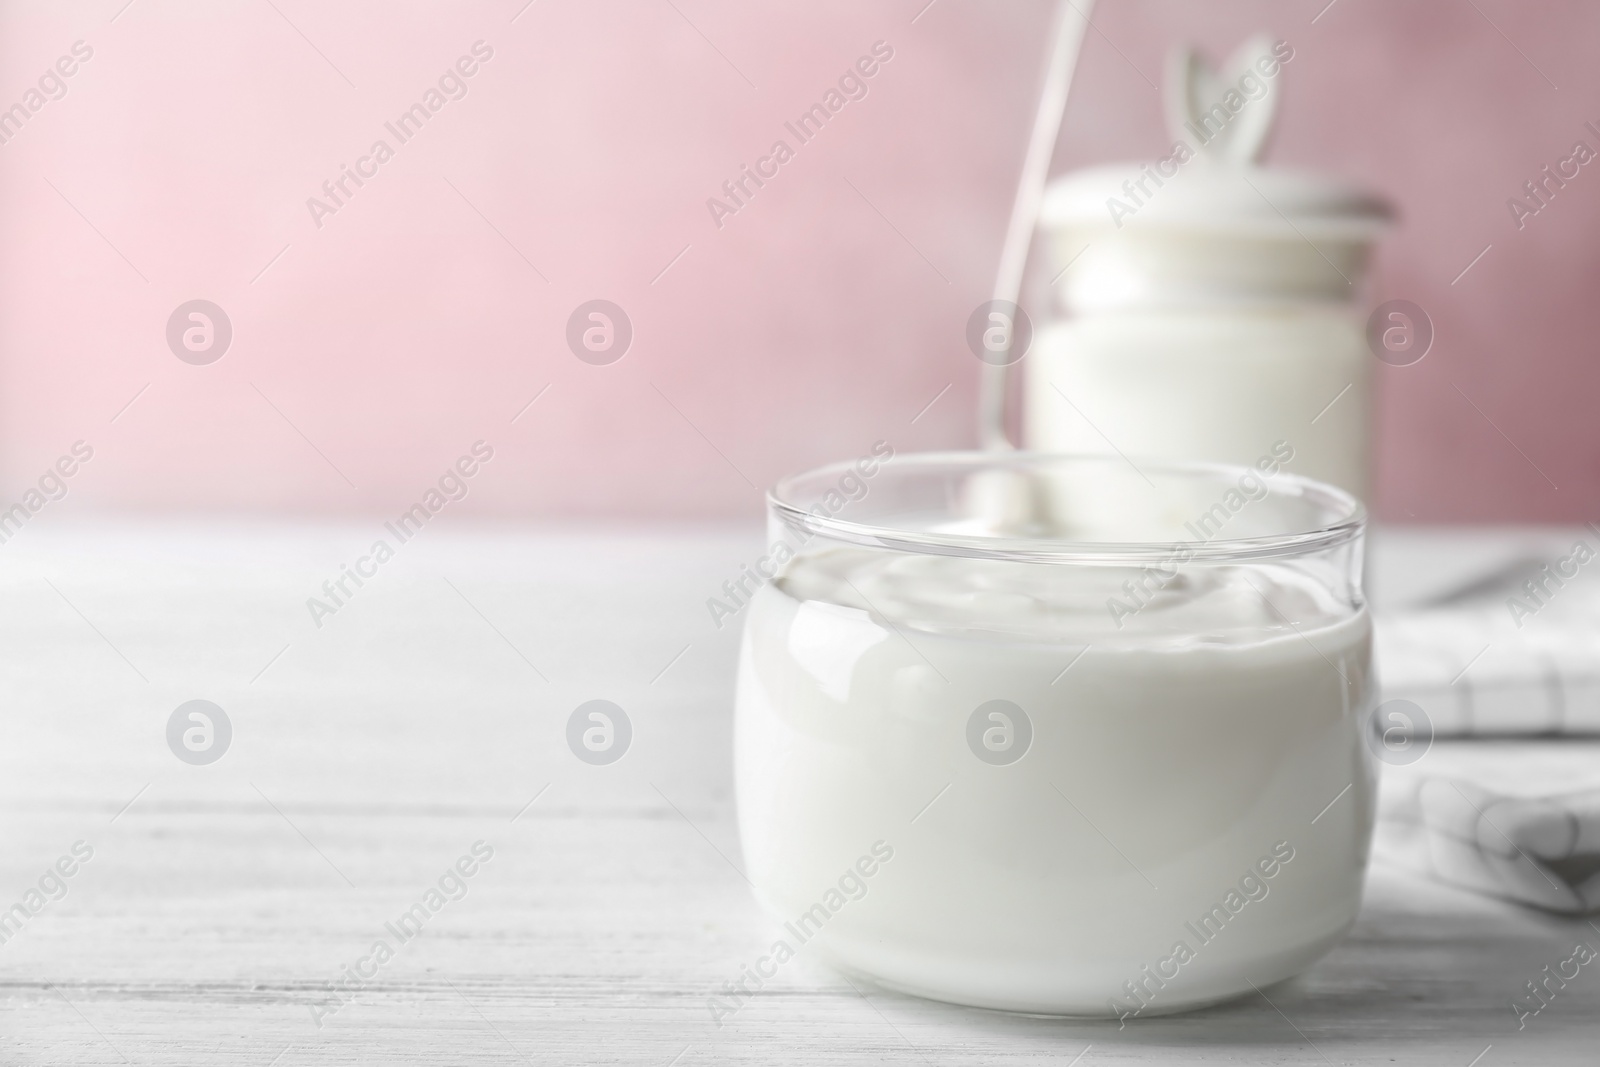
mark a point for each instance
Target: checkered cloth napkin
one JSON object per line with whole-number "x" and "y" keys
{"x": 1473, "y": 672}
{"x": 1512, "y": 652}
{"x": 1519, "y": 820}
{"x": 1498, "y": 812}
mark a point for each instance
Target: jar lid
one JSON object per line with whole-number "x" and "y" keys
{"x": 1205, "y": 195}
{"x": 1211, "y": 181}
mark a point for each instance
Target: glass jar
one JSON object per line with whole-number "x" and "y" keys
{"x": 1059, "y": 735}
{"x": 1217, "y": 317}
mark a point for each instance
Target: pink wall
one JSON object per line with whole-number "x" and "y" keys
{"x": 432, "y": 306}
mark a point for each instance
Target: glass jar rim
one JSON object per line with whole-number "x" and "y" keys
{"x": 1349, "y": 515}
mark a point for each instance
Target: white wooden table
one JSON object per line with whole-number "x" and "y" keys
{"x": 424, "y": 715}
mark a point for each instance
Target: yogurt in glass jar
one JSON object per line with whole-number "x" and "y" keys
{"x": 1059, "y": 735}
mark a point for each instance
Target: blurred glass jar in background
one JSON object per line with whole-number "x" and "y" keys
{"x": 1206, "y": 307}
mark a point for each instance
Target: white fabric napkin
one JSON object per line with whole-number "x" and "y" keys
{"x": 1492, "y": 658}
{"x": 1473, "y": 673}
{"x": 1518, "y": 820}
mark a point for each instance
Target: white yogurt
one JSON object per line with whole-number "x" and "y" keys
{"x": 1174, "y": 762}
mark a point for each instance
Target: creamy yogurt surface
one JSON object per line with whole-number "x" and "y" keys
{"x": 1071, "y": 855}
